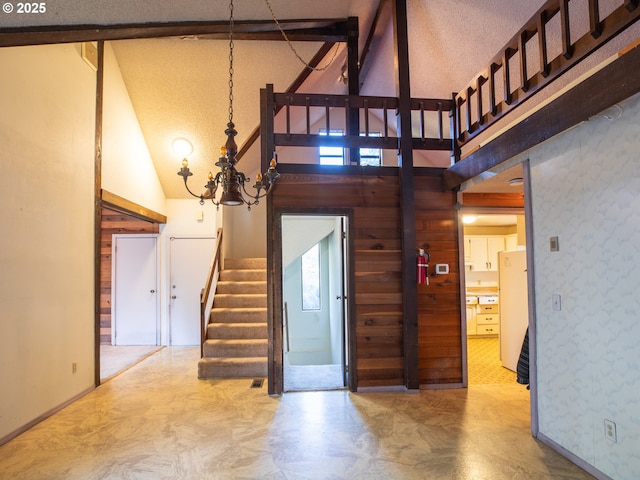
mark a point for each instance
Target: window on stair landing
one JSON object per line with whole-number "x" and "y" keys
{"x": 371, "y": 157}
{"x": 311, "y": 278}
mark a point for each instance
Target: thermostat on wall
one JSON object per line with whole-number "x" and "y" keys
{"x": 442, "y": 268}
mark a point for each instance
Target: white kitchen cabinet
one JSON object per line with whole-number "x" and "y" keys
{"x": 481, "y": 252}
{"x": 483, "y": 318}
{"x": 472, "y": 303}
{"x": 511, "y": 242}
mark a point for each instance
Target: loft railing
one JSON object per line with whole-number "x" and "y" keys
{"x": 208, "y": 292}
{"x": 311, "y": 113}
{"x": 513, "y": 75}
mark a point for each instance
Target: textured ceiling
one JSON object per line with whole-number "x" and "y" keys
{"x": 179, "y": 87}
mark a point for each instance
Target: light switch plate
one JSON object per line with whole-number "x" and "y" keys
{"x": 556, "y": 302}
{"x": 554, "y": 244}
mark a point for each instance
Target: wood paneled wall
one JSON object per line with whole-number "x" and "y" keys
{"x": 375, "y": 202}
{"x": 439, "y": 303}
{"x": 114, "y": 223}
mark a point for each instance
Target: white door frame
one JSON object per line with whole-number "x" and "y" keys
{"x": 114, "y": 300}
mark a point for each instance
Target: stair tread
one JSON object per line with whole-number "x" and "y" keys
{"x": 232, "y": 359}
{"x": 236, "y": 341}
{"x": 237, "y": 309}
{"x": 242, "y": 324}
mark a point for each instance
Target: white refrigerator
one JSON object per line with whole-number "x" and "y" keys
{"x": 514, "y": 306}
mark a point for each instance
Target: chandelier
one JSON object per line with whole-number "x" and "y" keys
{"x": 232, "y": 182}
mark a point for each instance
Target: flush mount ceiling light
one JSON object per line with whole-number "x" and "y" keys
{"x": 182, "y": 147}
{"x": 469, "y": 219}
{"x": 229, "y": 178}
{"x": 515, "y": 182}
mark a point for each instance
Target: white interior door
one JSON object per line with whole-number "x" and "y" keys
{"x": 135, "y": 287}
{"x": 190, "y": 259}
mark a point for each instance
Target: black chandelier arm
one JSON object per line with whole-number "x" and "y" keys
{"x": 262, "y": 191}
{"x": 201, "y": 197}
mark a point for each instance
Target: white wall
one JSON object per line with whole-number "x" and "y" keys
{"x": 585, "y": 190}
{"x": 47, "y": 131}
{"x": 127, "y": 167}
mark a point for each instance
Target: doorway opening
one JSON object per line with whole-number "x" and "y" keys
{"x": 496, "y": 295}
{"x": 495, "y": 218}
{"x": 315, "y": 346}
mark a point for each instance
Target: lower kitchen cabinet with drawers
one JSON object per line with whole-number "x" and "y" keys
{"x": 483, "y": 319}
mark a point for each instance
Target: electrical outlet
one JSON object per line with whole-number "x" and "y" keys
{"x": 74, "y": 367}
{"x": 610, "y": 432}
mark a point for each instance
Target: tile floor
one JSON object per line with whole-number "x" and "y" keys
{"x": 157, "y": 421}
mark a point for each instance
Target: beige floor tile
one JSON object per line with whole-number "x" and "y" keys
{"x": 158, "y": 421}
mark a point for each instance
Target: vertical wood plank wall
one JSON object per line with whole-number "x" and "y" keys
{"x": 114, "y": 223}
{"x": 375, "y": 201}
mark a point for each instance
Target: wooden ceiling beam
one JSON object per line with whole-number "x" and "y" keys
{"x": 613, "y": 83}
{"x": 381, "y": 21}
{"x": 315, "y": 30}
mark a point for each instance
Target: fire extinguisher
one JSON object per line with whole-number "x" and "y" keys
{"x": 422, "y": 267}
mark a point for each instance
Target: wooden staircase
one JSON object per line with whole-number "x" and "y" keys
{"x": 236, "y": 343}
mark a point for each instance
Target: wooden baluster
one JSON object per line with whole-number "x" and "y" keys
{"x": 492, "y": 88}
{"x": 506, "y": 75}
{"x": 480, "y": 81}
{"x": 522, "y": 51}
{"x": 288, "y": 115}
{"x": 366, "y": 117}
{"x": 385, "y": 119}
{"x": 458, "y": 108}
{"x": 308, "y": 116}
{"x": 542, "y": 43}
{"x": 421, "y": 107}
{"x": 594, "y": 18}
{"x": 468, "y": 110}
{"x": 326, "y": 113}
{"x": 567, "y": 48}
{"x": 440, "y": 129}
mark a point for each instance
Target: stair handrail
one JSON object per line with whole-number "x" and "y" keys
{"x": 208, "y": 292}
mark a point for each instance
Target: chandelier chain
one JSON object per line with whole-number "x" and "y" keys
{"x": 295, "y": 52}
{"x": 231, "y": 45}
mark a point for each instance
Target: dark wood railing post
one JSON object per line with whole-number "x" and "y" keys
{"x": 353, "y": 114}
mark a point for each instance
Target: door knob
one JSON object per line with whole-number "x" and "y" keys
{"x": 173, "y": 297}
{"x": 152, "y": 291}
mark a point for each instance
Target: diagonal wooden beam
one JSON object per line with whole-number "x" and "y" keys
{"x": 295, "y": 85}
{"x": 382, "y": 19}
{"x": 613, "y": 83}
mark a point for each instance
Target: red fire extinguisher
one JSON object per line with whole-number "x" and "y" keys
{"x": 422, "y": 267}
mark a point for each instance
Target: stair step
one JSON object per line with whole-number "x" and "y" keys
{"x": 243, "y": 275}
{"x": 236, "y": 348}
{"x": 241, "y": 287}
{"x": 232, "y": 331}
{"x": 238, "y": 315}
{"x": 257, "y": 263}
{"x": 240, "y": 367}
{"x": 240, "y": 300}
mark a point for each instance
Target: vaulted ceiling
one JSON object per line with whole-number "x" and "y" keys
{"x": 179, "y": 86}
